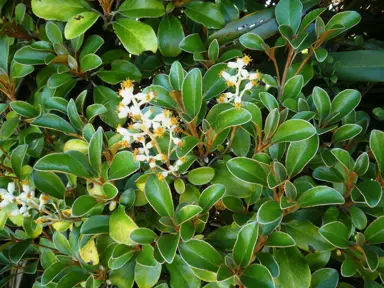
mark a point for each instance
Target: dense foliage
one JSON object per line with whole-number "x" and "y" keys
{"x": 216, "y": 144}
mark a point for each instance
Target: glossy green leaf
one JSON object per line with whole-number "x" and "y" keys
{"x": 199, "y": 254}
{"x": 17, "y": 159}
{"x": 24, "y": 109}
{"x": 257, "y": 275}
{"x": 142, "y": 9}
{"x": 292, "y": 263}
{"x": 123, "y": 165}
{"x": 280, "y": 239}
{"x": 48, "y": 9}
{"x": 79, "y": 24}
{"x": 201, "y": 176}
{"x": 344, "y": 102}
{"x": 335, "y": 233}
{"x": 167, "y": 245}
{"x": 249, "y": 170}
{"x": 319, "y": 196}
{"x": 375, "y": 143}
{"x": 89, "y": 62}
{"x": 293, "y": 87}
{"x": 288, "y": 12}
{"x": 159, "y": 196}
{"x": 232, "y": 117}
{"x": 245, "y": 244}
{"x": 293, "y": 130}
{"x": 55, "y": 122}
{"x": 181, "y": 274}
{"x": 143, "y": 236}
{"x": 192, "y": 93}
{"x": 170, "y": 34}
{"x": 71, "y": 162}
{"x": 49, "y": 183}
{"x": 253, "y": 41}
{"x": 346, "y": 19}
{"x": 205, "y": 13}
{"x": 346, "y": 132}
{"x": 324, "y": 278}
{"x": 192, "y": 43}
{"x": 53, "y": 33}
{"x": 300, "y": 153}
{"x": 269, "y": 212}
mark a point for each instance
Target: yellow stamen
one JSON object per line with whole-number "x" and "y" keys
{"x": 246, "y": 59}
{"x": 125, "y": 144}
{"x": 230, "y": 83}
{"x": 135, "y": 153}
{"x": 238, "y": 105}
{"x": 174, "y": 121}
{"x": 67, "y": 212}
{"x": 160, "y": 176}
{"x": 164, "y": 157}
{"x": 127, "y": 83}
{"x": 136, "y": 117}
{"x": 221, "y": 99}
{"x": 121, "y": 106}
{"x": 159, "y": 131}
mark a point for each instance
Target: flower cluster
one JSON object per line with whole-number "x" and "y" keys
{"x": 236, "y": 80}
{"x": 147, "y": 125}
{"x": 21, "y": 204}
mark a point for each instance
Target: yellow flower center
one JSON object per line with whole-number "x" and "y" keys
{"x": 174, "y": 121}
{"x": 230, "y": 83}
{"x": 221, "y": 99}
{"x": 127, "y": 84}
{"x": 246, "y": 59}
{"x": 159, "y": 132}
{"x": 238, "y": 105}
{"x": 160, "y": 176}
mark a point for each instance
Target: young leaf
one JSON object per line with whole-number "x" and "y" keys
{"x": 121, "y": 226}
{"x": 136, "y": 36}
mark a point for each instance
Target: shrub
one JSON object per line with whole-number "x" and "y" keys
{"x": 188, "y": 167}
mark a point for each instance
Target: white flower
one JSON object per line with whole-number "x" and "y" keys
{"x": 14, "y": 212}
{"x": 43, "y": 199}
{"x": 141, "y": 157}
{"x": 127, "y": 95}
{"x": 229, "y": 79}
{"x": 254, "y": 76}
{"x": 7, "y": 196}
{"x": 244, "y": 73}
{"x": 123, "y": 111}
{"x": 248, "y": 86}
{"x": 177, "y": 141}
{"x": 11, "y": 187}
